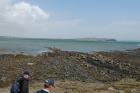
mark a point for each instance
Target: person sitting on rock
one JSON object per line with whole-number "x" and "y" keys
{"x": 48, "y": 86}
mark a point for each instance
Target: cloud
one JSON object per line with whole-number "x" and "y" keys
{"x": 25, "y": 20}
{"x": 3, "y": 3}
{"x": 21, "y": 19}
{"x": 24, "y": 13}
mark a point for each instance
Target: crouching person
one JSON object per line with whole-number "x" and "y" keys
{"x": 48, "y": 86}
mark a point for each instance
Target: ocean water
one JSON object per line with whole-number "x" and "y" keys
{"x": 33, "y": 46}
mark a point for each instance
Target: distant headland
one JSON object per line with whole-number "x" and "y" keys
{"x": 96, "y": 39}
{"x": 75, "y": 39}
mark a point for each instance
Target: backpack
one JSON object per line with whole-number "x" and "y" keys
{"x": 15, "y": 88}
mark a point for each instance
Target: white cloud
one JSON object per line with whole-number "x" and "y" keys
{"x": 21, "y": 19}
{"x": 24, "y": 13}
{"x": 25, "y": 20}
{"x": 3, "y": 6}
{"x": 3, "y": 3}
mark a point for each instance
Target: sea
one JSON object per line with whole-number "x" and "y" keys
{"x": 36, "y": 46}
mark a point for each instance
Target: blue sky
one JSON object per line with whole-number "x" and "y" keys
{"x": 119, "y": 19}
{"x": 110, "y": 9}
{"x": 92, "y": 10}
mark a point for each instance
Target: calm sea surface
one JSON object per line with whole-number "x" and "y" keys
{"x": 16, "y": 45}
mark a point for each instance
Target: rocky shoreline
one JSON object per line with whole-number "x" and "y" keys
{"x": 70, "y": 65}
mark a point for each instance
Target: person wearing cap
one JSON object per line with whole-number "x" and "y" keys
{"x": 24, "y": 82}
{"x": 48, "y": 86}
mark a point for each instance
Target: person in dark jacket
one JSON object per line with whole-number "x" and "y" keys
{"x": 48, "y": 86}
{"x": 24, "y": 82}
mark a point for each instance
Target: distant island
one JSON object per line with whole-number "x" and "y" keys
{"x": 96, "y": 39}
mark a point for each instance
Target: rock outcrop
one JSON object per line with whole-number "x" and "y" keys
{"x": 70, "y": 65}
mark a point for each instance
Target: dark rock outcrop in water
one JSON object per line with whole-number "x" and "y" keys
{"x": 66, "y": 65}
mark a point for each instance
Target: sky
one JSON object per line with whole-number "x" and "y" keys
{"x": 118, "y": 19}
